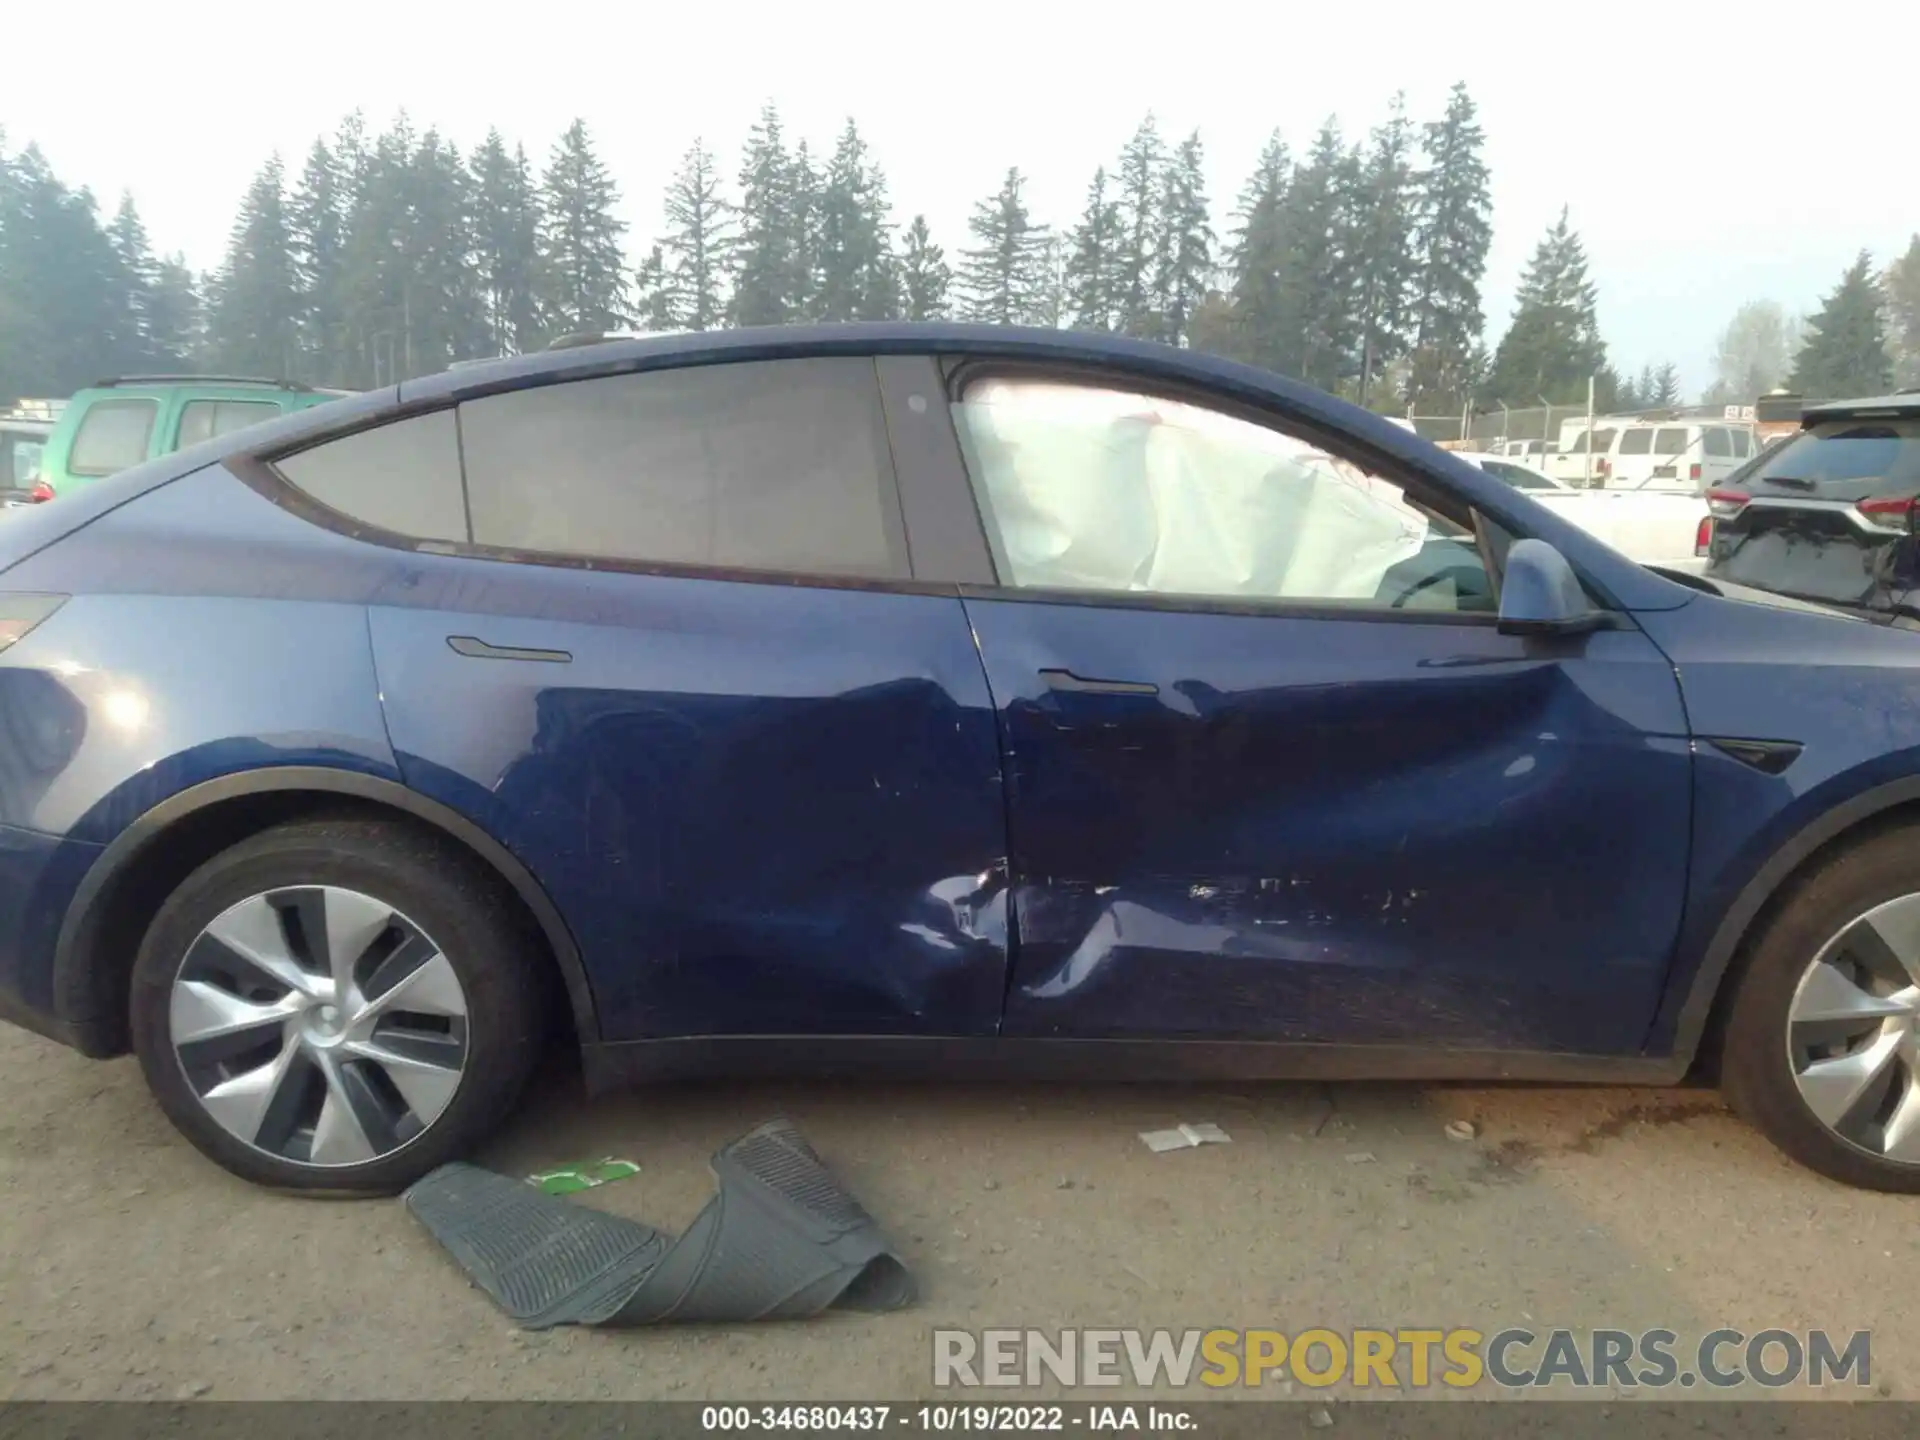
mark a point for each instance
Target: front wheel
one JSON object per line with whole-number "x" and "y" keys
{"x": 1822, "y": 1047}
{"x": 337, "y": 1005}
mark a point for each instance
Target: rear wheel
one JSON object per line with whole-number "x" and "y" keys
{"x": 337, "y": 1005}
{"x": 1822, "y": 1047}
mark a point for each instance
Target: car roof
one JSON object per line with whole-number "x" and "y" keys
{"x": 577, "y": 357}
{"x": 1906, "y": 402}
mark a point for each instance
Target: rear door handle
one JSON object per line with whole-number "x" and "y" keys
{"x": 1080, "y": 685}
{"x": 476, "y": 649}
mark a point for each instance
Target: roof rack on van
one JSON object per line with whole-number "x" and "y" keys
{"x": 201, "y": 380}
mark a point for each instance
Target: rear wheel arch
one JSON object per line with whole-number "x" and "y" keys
{"x": 93, "y": 956}
{"x": 1710, "y": 993}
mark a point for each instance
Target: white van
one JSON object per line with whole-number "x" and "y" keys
{"x": 1672, "y": 453}
{"x": 1531, "y": 452}
{"x": 1655, "y": 454}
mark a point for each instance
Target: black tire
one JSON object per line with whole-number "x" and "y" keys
{"x": 1756, "y": 1074}
{"x": 454, "y": 898}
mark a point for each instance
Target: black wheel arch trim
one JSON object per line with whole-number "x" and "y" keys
{"x": 1703, "y": 991}
{"x": 76, "y": 1002}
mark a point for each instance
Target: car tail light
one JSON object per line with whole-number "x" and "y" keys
{"x": 41, "y": 491}
{"x": 1725, "y": 504}
{"x": 1693, "y": 472}
{"x": 1888, "y": 514}
{"x": 20, "y": 613}
{"x": 1703, "y": 536}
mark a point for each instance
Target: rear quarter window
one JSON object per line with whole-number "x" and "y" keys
{"x": 762, "y": 465}
{"x": 113, "y": 436}
{"x": 402, "y": 477}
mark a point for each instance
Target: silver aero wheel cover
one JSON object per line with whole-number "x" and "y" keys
{"x": 319, "y": 1026}
{"x": 1851, "y": 1032}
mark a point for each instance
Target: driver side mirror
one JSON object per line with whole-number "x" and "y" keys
{"x": 1540, "y": 594}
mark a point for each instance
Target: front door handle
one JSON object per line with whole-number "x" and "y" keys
{"x": 476, "y": 649}
{"x": 1080, "y": 685}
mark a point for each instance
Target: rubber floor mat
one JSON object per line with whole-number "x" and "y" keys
{"x": 779, "y": 1240}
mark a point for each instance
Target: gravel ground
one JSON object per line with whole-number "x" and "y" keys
{"x": 131, "y": 1268}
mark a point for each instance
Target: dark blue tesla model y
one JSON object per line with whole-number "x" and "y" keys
{"x": 922, "y": 698}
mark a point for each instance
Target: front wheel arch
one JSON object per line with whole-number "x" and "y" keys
{"x": 93, "y": 954}
{"x": 1710, "y": 992}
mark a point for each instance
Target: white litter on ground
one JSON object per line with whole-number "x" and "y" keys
{"x": 1185, "y": 1137}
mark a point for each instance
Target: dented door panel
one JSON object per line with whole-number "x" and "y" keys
{"x": 764, "y": 808}
{"x": 1260, "y": 826}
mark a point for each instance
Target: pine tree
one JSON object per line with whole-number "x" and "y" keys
{"x": 1316, "y": 287}
{"x": 506, "y": 245}
{"x": 1553, "y": 347}
{"x": 1004, "y": 279}
{"x": 59, "y": 282}
{"x": 1183, "y": 250}
{"x": 1665, "y": 393}
{"x": 174, "y": 317}
{"x": 1453, "y": 230}
{"x": 1901, "y": 285}
{"x": 765, "y": 253}
{"x": 254, "y": 323}
{"x": 1846, "y": 351}
{"x": 1093, "y": 276}
{"x": 1383, "y": 219}
{"x": 1257, "y": 254}
{"x": 582, "y": 277}
{"x": 699, "y": 231}
{"x": 316, "y": 229}
{"x": 857, "y": 278}
{"x": 1630, "y": 394}
{"x": 375, "y": 293}
{"x": 134, "y": 277}
{"x": 1138, "y": 203}
{"x": 925, "y": 276}
{"x": 803, "y": 256}
{"x": 654, "y": 293}
{"x": 444, "y": 303}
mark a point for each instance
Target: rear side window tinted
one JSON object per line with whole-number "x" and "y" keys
{"x": 1720, "y": 443}
{"x": 204, "y": 419}
{"x": 113, "y": 436}
{"x": 403, "y": 477}
{"x": 1742, "y": 443}
{"x": 765, "y": 465}
{"x": 1636, "y": 442}
{"x": 1670, "y": 442}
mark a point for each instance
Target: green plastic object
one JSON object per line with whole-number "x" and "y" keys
{"x": 586, "y": 1175}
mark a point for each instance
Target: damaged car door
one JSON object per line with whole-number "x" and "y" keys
{"x": 1274, "y": 773}
{"x": 681, "y": 670}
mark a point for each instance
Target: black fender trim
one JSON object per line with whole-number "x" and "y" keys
{"x": 1691, "y": 1025}
{"x": 73, "y": 994}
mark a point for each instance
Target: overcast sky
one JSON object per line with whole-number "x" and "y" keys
{"x": 1711, "y": 153}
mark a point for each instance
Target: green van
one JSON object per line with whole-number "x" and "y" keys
{"x": 116, "y": 424}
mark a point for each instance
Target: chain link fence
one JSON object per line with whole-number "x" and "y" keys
{"x": 1492, "y": 428}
